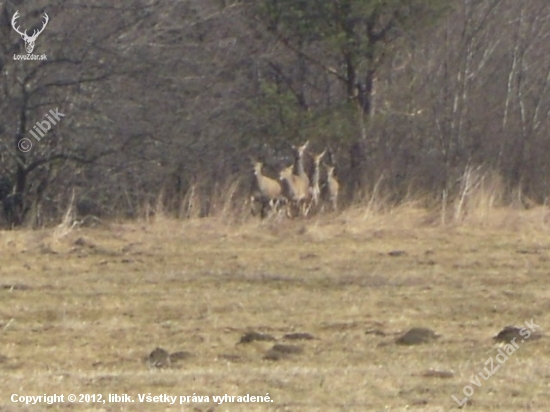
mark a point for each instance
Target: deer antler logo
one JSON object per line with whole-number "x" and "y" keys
{"x": 29, "y": 40}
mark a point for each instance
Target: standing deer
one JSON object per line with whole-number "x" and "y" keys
{"x": 301, "y": 179}
{"x": 333, "y": 186}
{"x": 315, "y": 177}
{"x": 269, "y": 191}
{"x": 299, "y": 161}
{"x": 297, "y": 190}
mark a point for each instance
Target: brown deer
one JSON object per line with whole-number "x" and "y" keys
{"x": 333, "y": 187}
{"x": 296, "y": 190}
{"x": 315, "y": 178}
{"x": 299, "y": 162}
{"x": 268, "y": 191}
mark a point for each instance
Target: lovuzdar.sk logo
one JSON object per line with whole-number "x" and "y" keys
{"x": 29, "y": 40}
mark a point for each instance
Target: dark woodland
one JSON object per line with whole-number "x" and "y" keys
{"x": 166, "y": 102}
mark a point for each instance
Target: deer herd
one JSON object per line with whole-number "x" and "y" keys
{"x": 295, "y": 191}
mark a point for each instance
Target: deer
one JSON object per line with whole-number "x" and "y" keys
{"x": 297, "y": 189}
{"x": 300, "y": 179}
{"x": 333, "y": 186}
{"x": 29, "y": 40}
{"x": 315, "y": 177}
{"x": 269, "y": 191}
{"x": 299, "y": 162}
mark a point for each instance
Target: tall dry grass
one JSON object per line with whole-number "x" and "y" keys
{"x": 478, "y": 198}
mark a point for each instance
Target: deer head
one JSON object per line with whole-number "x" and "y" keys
{"x": 29, "y": 40}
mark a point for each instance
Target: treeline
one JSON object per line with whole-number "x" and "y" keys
{"x": 166, "y": 101}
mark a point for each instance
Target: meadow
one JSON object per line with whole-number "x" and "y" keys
{"x": 82, "y": 309}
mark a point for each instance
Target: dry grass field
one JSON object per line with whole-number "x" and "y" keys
{"x": 80, "y": 312}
